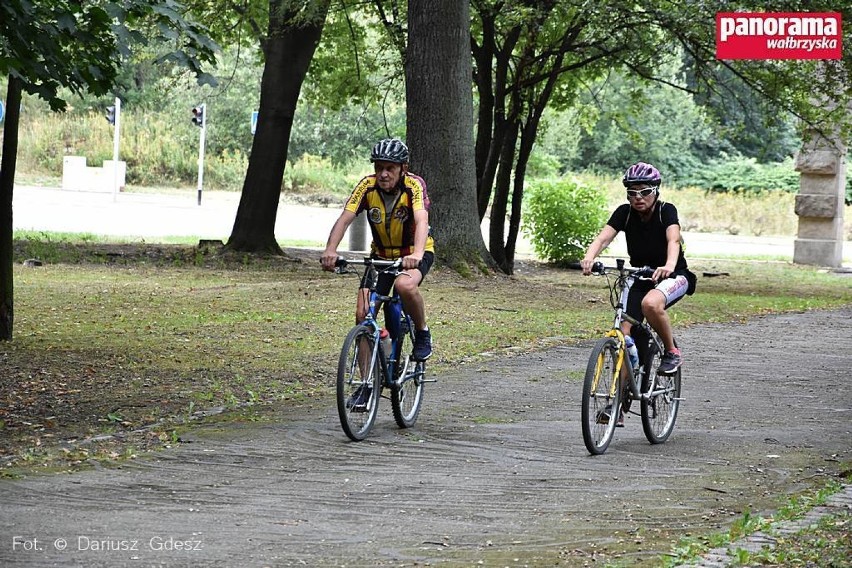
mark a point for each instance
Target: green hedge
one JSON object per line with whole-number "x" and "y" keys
{"x": 563, "y": 217}
{"x": 746, "y": 175}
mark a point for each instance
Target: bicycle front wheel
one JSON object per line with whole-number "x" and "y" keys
{"x": 358, "y": 383}
{"x": 659, "y": 409}
{"x": 601, "y": 401}
{"x": 407, "y": 391}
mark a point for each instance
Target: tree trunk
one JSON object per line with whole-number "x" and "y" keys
{"x": 529, "y": 132}
{"x": 7, "y": 183}
{"x": 484, "y": 57}
{"x": 292, "y": 41}
{"x": 499, "y": 206}
{"x": 517, "y": 103}
{"x": 492, "y": 131}
{"x": 440, "y": 126}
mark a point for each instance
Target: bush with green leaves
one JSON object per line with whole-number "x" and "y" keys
{"x": 740, "y": 174}
{"x": 314, "y": 175}
{"x": 563, "y": 217}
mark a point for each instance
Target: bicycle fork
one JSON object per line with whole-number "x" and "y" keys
{"x": 619, "y": 363}
{"x": 626, "y": 375}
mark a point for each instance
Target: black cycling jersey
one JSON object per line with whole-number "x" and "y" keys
{"x": 646, "y": 240}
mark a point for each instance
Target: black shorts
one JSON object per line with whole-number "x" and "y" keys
{"x": 386, "y": 279}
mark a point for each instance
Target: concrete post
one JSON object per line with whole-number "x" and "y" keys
{"x": 74, "y": 173}
{"x": 819, "y": 204}
{"x": 358, "y": 232}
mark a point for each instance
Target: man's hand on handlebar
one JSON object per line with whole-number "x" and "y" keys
{"x": 329, "y": 260}
{"x": 411, "y": 261}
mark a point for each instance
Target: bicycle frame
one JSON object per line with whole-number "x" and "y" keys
{"x": 659, "y": 395}
{"x": 394, "y": 315}
{"x": 388, "y": 361}
{"x": 621, "y": 289}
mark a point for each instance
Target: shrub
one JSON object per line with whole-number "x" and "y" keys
{"x": 745, "y": 175}
{"x": 312, "y": 175}
{"x": 739, "y": 174}
{"x": 563, "y": 217}
{"x": 227, "y": 170}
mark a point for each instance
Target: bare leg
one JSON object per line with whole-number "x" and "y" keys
{"x": 361, "y": 313}
{"x": 407, "y": 284}
{"x": 654, "y": 309}
{"x": 361, "y": 306}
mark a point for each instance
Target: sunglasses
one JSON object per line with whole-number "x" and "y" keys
{"x": 636, "y": 193}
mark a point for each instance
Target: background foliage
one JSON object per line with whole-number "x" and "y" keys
{"x": 716, "y": 144}
{"x": 563, "y": 217}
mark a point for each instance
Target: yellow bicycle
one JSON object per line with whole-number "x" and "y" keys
{"x": 611, "y": 383}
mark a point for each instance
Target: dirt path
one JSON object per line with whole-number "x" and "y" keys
{"x": 494, "y": 472}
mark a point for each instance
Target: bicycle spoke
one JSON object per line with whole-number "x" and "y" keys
{"x": 407, "y": 393}
{"x": 601, "y": 401}
{"x": 358, "y": 385}
{"x": 659, "y": 408}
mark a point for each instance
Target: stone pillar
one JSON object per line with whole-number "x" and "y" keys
{"x": 819, "y": 204}
{"x": 74, "y": 176}
{"x": 358, "y": 232}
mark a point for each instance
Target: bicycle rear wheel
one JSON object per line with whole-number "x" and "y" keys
{"x": 601, "y": 402}
{"x": 659, "y": 411}
{"x": 407, "y": 392}
{"x": 358, "y": 383}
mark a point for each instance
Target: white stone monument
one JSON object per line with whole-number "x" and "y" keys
{"x": 822, "y": 187}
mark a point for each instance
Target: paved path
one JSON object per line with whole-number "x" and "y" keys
{"x": 494, "y": 473}
{"x": 152, "y": 216}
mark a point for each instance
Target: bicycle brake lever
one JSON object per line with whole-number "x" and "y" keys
{"x": 341, "y": 266}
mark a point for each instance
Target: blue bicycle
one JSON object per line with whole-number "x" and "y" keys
{"x": 368, "y": 363}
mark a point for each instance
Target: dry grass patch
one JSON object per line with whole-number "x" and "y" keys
{"x": 131, "y": 341}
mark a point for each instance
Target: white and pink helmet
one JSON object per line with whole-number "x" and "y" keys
{"x": 640, "y": 172}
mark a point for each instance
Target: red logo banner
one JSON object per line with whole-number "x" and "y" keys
{"x": 797, "y": 35}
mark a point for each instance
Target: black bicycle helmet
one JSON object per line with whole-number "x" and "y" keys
{"x": 640, "y": 172}
{"x": 390, "y": 150}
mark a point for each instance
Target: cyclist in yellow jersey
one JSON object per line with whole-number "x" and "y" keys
{"x": 397, "y": 208}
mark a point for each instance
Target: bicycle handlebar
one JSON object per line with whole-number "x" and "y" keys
{"x": 643, "y": 273}
{"x": 342, "y": 264}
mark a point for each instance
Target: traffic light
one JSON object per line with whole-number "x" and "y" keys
{"x": 198, "y": 115}
{"x": 110, "y": 114}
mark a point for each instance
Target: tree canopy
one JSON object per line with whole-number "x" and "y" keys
{"x": 51, "y": 45}
{"x": 596, "y": 62}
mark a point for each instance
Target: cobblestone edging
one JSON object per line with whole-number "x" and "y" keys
{"x": 724, "y": 556}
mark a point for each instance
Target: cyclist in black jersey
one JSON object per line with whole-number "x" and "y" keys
{"x": 652, "y": 231}
{"x": 397, "y": 208}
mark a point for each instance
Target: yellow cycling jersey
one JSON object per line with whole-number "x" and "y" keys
{"x": 393, "y": 230}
